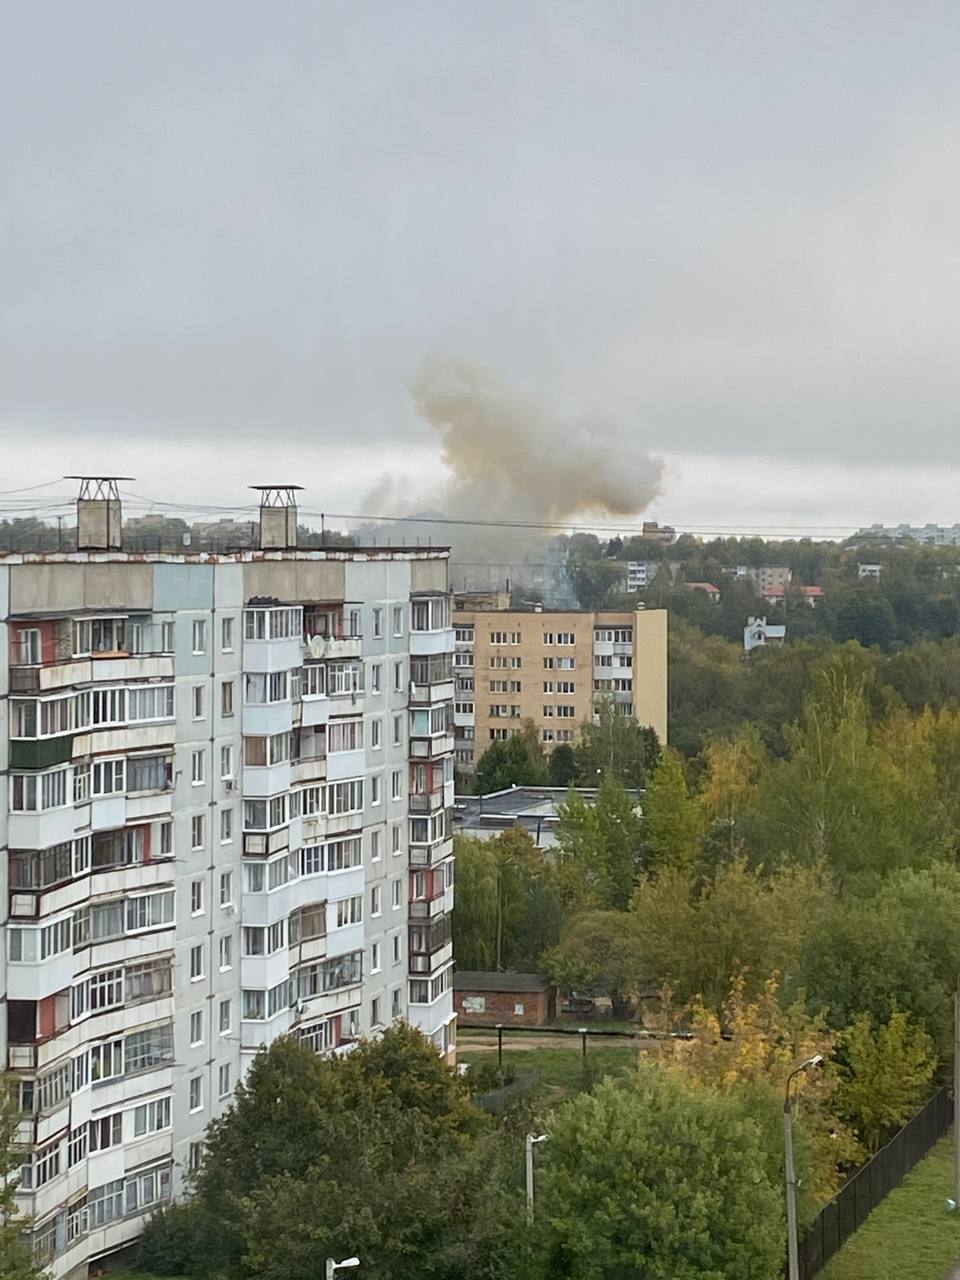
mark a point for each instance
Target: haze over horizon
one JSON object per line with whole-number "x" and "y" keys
{"x": 233, "y": 234}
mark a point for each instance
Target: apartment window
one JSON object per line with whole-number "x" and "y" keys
{"x": 342, "y": 854}
{"x": 275, "y": 936}
{"x": 504, "y": 637}
{"x": 375, "y": 1012}
{"x": 226, "y": 698}
{"x": 375, "y": 957}
{"x": 196, "y": 1027}
{"x": 398, "y": 731}
{"x": 398, "y": 676}
{"x": 398, "y": 620}
{"x": 146, "y": 911}
{"x": 105, "y": 1132}
{"x": 397, "y": 948}
{"x": 27, "y": 647}
{"x": 151, "y": 1117}
{"x": 224, "y": 1016}
{"x": 395, "y": 892}
{"x": 254, "y": 877}
{"x": 226, "y": 826}
{"x": 195, "y": 1156}
{"x": 198, "y": 702}
{"x": 226, "y": 951}
{"x": 254, "y": 941}
{"x": 344, "y": 735}
{"x": 196, "y": 831}
{"x": 148, "y": 1049}
{"x": 149, "y": 773}
{"x": 226, "y": 762}
{"x": 396, "y": 839}
{"x": 196, "y": 897}
{"x": 253, "y": 1005}
{"x": 308, "y": 923}
{"x": 376, "y": 784}
{"x": 395, "y": 1003}
{"x": 196, "y": 768}
{"x": 377, "y": 623}
{"x": 375, "y": 677}
{"x": 376, "y": 729}
{"x": 226, "y": 887}
{"x": 396, "y": 784}
{"x": 196, "y": 962}
{"x": 148, "y": 980}
{"x": 226, "y": 634}
{"x": 349, "y": 911}
{"x": 464, "y": 635}
{"x": 566, "y": 712}
{"x": 196, "y": 1093}
{"x": 375, "y": 900}
{"x": 375, "y": 850}
{"x": 153, "y": 702}
{"x": 224, "y": 1079}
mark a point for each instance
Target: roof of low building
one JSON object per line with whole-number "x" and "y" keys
{"x": 478, "y": 980}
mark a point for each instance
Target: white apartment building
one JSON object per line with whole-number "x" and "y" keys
{"x": 226, "y": 818}
{"x": 763, "y": 577}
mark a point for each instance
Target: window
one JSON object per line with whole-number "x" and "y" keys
{"x": 375, "y": 900}
{"x": 46, "y": 1163}
{"x": 77, "y": 1146}
{"x": 196, "y": 831}
{"x": 30, "y": 792}
{"x": 166, "y": 637}
{"x": 224, "y": 1016}
{"x": 398, "y": 731}
{"x": 146, "y": 911}
{"x": 196, "y": 962}
{"x": 226, "y": 826}
{"x": 226, "y": 762}
{"x": 344, "y": 735}
{"x": 97, "y": 635}
{"x": 197, "y": 768}
{"x": 349, "y": 911}
{"x": 342, "y": 854}
{"x": 149, "y": 773}
{"x": 398, "y": 620}
{"x": 396, "y": 784}
{"x": 226, "y": 952}
{"x": 346, "y": 797}
{"x": 395, "y": 892}
{"x": 226, "y": 698}
{"x": 395, "y": 1003}
{"x": 199, "y": 636}
{"x": 226, "y": 635}
{"x": 398, "y": 676}
{"x": 224, "y": 1080}
{"x": 196, "y": 1093}
{"x": 375, "y": 1012}
{"x": 27, "y": 647}
{"x": 148, "y": 980}
{"x": 397, "y": 948}
{"x": 151, "y": 1117}
{"x": 375, "y": 677}
{"x": 196, "y": 897}
{"x": 106, "y": 1061}
{"x": 151, "y": 702}
{"x": 226, "y": 887}
{"x": 275, "y": 936}
{"x": 376, "y": 728}
{"x": 377, "y": 623}
{"x": 145, "y": 1050}
{"x": 396, "y": 837}
{"x": 195, "y": 1156}
{"x": 198, "y": 702}
{"x": 254, "y": 1005}
{"x": 308, "y": 922}
{"x": 196, "y": 1027}
{"x": 504, "y": 637}
{"x": 255, "y": 877}
{"x": 344, "y": 677}
{"x": 254, "y": 940}
{"x": 330, "y": 975}
{"x": 376, "y": 785}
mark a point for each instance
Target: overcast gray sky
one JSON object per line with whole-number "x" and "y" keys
{"x": 231, "y": 232}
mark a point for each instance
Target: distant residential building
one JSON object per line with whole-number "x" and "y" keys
{"x": 763, "y": 577}
{"x": 658, "y": 532}
{"x": 641, "y": 573}
{"x": 811, "y": 595}
{"x": 869, "y": 571}
{"x": 494, "y": 599}
{"x": 758, "y": 632}
{"x": 511, "y": 999}
{"x": 936, "y": 535}
{"x": 550, "y": 667}
{"x": 709, "y": 590}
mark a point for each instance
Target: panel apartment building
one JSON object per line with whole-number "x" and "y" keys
{"x": 226, "y": 818}
{"x": 550, "y": 667}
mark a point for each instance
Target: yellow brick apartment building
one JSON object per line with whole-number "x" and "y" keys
{"x": 550, "y": 667}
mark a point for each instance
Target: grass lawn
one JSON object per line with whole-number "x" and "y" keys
{"x": 910, "y": 1236}
{"x": 561, "y": 1067}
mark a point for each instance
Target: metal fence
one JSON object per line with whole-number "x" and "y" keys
{"x": 860, "y": 1196}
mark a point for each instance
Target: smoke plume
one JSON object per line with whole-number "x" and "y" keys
{"x": 511, "y": 457}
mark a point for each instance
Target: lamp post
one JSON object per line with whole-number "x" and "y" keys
{"x": 791, "y": 1173}
{"x": 334, "y": 1267}
{"x": 530, "y": 1142}
{"x": 956, "y": 1092}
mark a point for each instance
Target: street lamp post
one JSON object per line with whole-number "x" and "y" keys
{"x": 334, "y": 1267}
{"x": 791, "y": 1173}
{"x": 529, "y": 1143}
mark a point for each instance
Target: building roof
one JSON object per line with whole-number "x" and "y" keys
{"x": 477, "y": 980}
{"x": 779, "y": 592}
{"x": 703, "y": 586}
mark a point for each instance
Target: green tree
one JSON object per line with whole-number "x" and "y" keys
{"x": 886, "y": 1074}
{"x": 673, "y": 823}
{"x": 16, "y": 1258}
{"x": 600, "y": 952}
{"x": 511, "y": 763}
{"x": 599, "y": 845}
{"x": 563, "y": 765}
{"x": 615, "y": 745}
{"x": 658, "y": 1177}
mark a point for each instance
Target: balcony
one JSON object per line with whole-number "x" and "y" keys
{"x": 309, "y": 769}
{"x": 431, "y": 748}
{"x": 428, "y": 855}
{"x": 41, "y": 753}
{"x": 426, "y": 802}
{"x": 428, "y": 908}
{"x": 21, "y": 1057}
{"x": 431, "y": 693}
{"x": 430, "y": 962}
{"x": 331, "y": 648}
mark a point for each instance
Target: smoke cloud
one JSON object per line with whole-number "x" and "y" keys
{"x": 511, "y": 457}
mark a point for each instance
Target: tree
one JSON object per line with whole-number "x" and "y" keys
{"x": 886, "y": 1074}
{"x": 563, "y": 765}
{"x": 672, "y": 819}
{"x": 657, "y": 1177}
{"x": 615, "y": 745}
{"x": 16, "y": 1257}
{"x": 511, "y": 763}
{"x": 599, "y": 846}
{"x": 729, "y": 788}
{"x": 600, "y": 952}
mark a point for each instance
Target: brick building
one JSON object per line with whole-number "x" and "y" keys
{"x": 514, "y": 999}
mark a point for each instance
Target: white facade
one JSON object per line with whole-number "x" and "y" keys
{"x": 869, "y": 571}
{"x": 226, "y": 818}
{"x": 759, "y": 632}
{"x": 763, "y": 577}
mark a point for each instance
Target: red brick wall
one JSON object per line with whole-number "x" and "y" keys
{"x": 500, "y": 1006}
